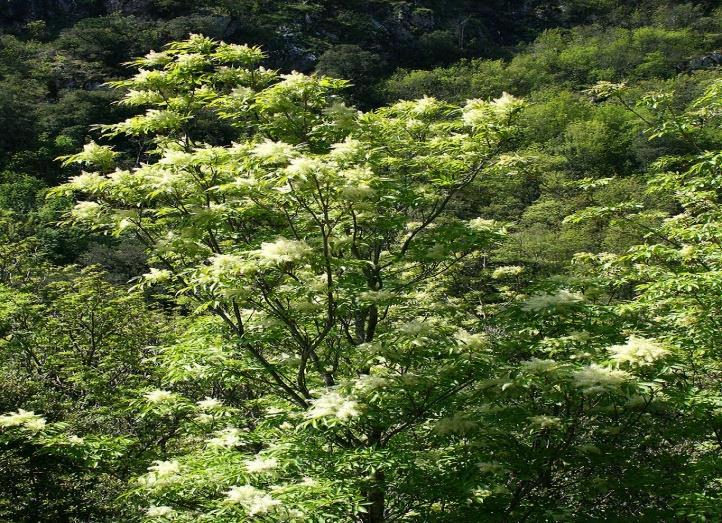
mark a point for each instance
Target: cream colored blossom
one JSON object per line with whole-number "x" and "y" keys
{"x": 209, "y": 404}
{"x": 261, "y": 464}
{"x": 347, "y": 149}
{"x": 273, "y": 152}
{"x": 596, "y": 378}
{"x": 35, "y": 425}
{"x": 165, "y": 468}
{"x": 159, "y": 511}
{"x": 539, "y": 366}
{"x": 424, "y": 106}
{"x": 477, "y": 112}
{"x": 307, "y": 481}
{"x": 175, "y": 158}
{"x": 367, "y": 383}
{"x": 561, "y": 298}
{"x": 23, "y": 418}
{"x": 89, "y": 182}
{"x": 357, "y": 192}
{"x": 226, "y": 438}
{"x": 87, "y": 211}
{"x": 157, "y": 275}
{"x": 505, "y": 104}
{"x": 227, "y": 265}
{"x": 332, "y": 404}
{"x": 243, "y": 493}
{"x": 191, "y": 60}
{"x": 254, "y": 500}
{"x": 380, "y": 296}
{"x": 302, "y": 167}
{"x": 155, "y": 58}
{"x": 416, "y": 328}
{"x": 159, "y": 396}
{"x": 638, "y": 351}
{"x": 284, "y": 251}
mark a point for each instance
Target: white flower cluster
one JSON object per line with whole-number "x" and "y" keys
{"x": 94, "y": 154}
{"x": 596, "y": 378}
{"x": 174, "y": 158}
{"x": 147, "y": 78}
{"x": 479, "y": 112}
{"x": 138, "y": 97}
{"x": 342, "y": 114}
{"x": 165, "y": 468}
{"x": 161, "y": 472}
{"x": 255, "y": 501}
{"x": 191, "y": 60}
{"x": 367, "y": 383}
{"x": 284, "y": 251}
{"x": 345, "y": 150}
{"x": 159, "y": 396}
{"x": 155, "y": 58}
{"x": 425, "y": 106}
{"x": 358, "y": 182}
{"x": 539, "y": 366}
{"x": 161, "y": 511}
{"x": 157, "y": 119}
{"x": 87, "y": 211}
{"x": 166, "y": 181}
{"x": 227, "y": 438}
{"x": 227, "y": 265}
{"x": 88, "y": 182}
{"x": 261, "y": 464}
{"x": 638, "y": 351}
{"x": 332, "y": 404}
{"x": 273, "y": 152}
{"x": 561, "y": 298}
{"x": 302, "y": 167}
{"x": 236, "y": 53}
{"x": 157, "y": 276}
{"x": 26, "y": 419}
{"x": 505, "y": 103}
{"x": 209, "y": 404}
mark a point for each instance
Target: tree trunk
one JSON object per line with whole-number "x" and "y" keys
{"x": 377, "y": 500}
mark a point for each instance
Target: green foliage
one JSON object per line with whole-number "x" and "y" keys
{"x": 458, "y": 306}
{"x": 74, "y": 347}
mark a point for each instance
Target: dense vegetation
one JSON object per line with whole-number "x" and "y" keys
{"x": 312, "y": 261}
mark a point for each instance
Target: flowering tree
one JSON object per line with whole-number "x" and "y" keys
{"x": 675, "y": 274}
{"x": 341, "y": 359}
{"x": 321, "y": 240}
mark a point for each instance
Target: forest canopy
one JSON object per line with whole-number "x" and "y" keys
{"x": 410, "y": 261}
